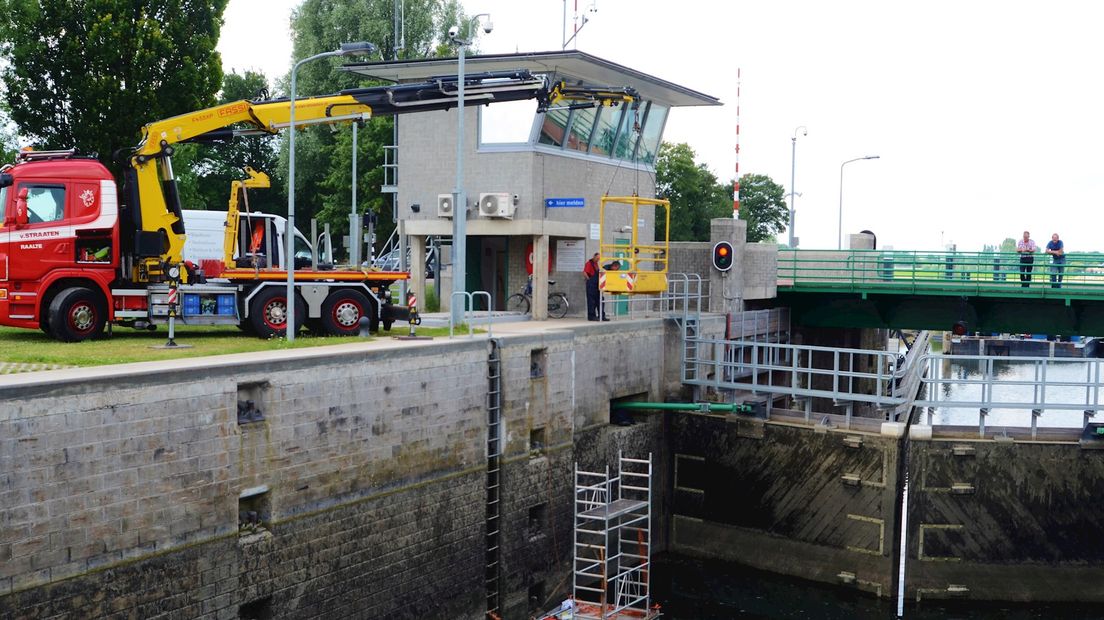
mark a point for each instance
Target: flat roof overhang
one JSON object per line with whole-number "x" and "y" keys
{"x": 570, "y": 66}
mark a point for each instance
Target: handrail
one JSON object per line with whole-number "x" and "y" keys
{"x": 958, "y": 272}
{"x": 469, "y": 311}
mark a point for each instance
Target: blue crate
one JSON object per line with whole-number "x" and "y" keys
{"x": 227, "y": 305}
{"x": 191, "y": 304}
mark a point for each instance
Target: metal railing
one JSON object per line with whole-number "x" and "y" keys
{"x": 949, "y": 272}
{"x": 468, "y": 299}
{"x": 898, "y": 385}
{"x": 1051, "y": 387}
{"x": 685, "y": 292}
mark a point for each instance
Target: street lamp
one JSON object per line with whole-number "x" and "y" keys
{"x": 793, "y": 170}
{"x": 459, "y": 201}
{"x": 347, "y": 49}
{"x": 839, "y": 232}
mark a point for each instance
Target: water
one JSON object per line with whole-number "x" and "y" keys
{"x": 693, "y": 589}
{"x": 1058, "y": 373}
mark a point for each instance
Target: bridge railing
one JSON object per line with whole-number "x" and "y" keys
{"x": 965, "y": 271}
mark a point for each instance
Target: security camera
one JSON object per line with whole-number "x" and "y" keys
{"x": 488, "y": 27}
{"x": 453, "y": 32}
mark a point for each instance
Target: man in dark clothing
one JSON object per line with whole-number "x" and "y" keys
{"x": 1057, "y": 251}
{"x": 594, "y": 297}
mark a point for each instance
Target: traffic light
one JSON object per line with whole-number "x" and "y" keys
{"x": 722, "y": 256}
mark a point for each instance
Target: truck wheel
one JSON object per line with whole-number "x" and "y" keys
{"x": 387, "y": 325}
{"x": 77, "y": 314}
{"x": 268, "y": 312}
{"x": 341, "y": 312}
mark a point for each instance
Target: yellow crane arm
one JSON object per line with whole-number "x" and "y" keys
{"x": 159, "y": 214}
{"x": 239, "y": 188}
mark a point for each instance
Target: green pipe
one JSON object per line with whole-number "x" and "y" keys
{"x": 702, "y": 407}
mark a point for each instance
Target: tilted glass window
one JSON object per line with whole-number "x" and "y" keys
{"x": 650, "y": 133}
{"x": 582, "y": 125}
{"x": 605, "y": 132}
{"x": 554, "y": 126}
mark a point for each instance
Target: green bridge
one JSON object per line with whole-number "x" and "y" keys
{"x": 936, "y": 290}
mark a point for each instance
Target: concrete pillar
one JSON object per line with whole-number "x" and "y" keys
{"x": 417, "y": 269}
{"x": 445, "y": 258}
{"x": 540, "y": 277}
{"x": 726, "y": 288}
{"x": 861, "y": 241}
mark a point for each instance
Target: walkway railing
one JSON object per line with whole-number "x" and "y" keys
{"x": 889, "y": 382}
{"x": 985, "y": 273}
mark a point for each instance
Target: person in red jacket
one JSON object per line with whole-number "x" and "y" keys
{"x": 594, "y": 296}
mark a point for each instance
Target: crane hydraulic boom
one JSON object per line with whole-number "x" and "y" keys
{"x": 155, "y": 205}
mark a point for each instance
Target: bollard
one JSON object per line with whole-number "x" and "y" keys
{"x": 172, "y": 314}
{"x": 412, "y": 304}
{"x": 413, "y": 318}
{"x": 173, "y": 303}
{"x": 362, "y": 327}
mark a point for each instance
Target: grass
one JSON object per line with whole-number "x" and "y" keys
{"x": 24, "y": 346}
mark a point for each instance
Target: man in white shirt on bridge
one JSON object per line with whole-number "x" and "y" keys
{"x": 1026, "y": 248}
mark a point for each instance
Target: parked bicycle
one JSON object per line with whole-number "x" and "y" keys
{"x": 521, "y": 302}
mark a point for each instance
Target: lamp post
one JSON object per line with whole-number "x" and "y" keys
{"x": 347, "y": 49}
{"x": 839, "y": 232}
{"x": 459, "y": 201}
{"x": 793, "y": 172}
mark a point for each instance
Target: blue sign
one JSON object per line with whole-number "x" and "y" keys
{"x": 565, "y": 203}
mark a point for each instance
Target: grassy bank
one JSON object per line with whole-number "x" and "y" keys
{"x": 28, "y": 347}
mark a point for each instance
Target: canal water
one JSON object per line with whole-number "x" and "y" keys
{"x": 1015, "y": 378}
{"x": 692, "y": 589}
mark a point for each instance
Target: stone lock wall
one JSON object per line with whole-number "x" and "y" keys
{"x": 120, "y": 487}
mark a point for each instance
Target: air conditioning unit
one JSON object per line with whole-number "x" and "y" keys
{"x": 444, "y": 205}
{"x": 497, "y": 204}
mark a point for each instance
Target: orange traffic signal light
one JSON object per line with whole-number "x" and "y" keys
{"x": 722, "y": 256}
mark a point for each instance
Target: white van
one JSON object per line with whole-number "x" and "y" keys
{"x": 261, "y": 234}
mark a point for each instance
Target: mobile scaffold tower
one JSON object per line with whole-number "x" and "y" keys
{"x": 613, "y": 539}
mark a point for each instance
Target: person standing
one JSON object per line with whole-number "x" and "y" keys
{"x": 1057, "y": 251}
{"x": 594, "y": 296}
{"x": 1026, "y": 248}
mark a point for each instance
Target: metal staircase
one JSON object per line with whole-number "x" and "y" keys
{"x": 494, "y": 480}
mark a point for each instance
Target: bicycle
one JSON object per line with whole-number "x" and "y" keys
{"x": 521, "y": 302}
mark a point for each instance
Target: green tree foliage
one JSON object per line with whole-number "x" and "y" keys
{"x": 89, "y": 74}
{"x": 1008, "y": 245}
{"x": 323, "y": 155}
{"x": 205, "y": 171}
{"x": 696, "y": 196}
{"x": 762, "y": 207}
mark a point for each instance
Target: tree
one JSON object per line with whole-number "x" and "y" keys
{"x": 206, "y": 170}
{"x": 762, "y": 207}
{"x": 695, "y": 195}
{"x": 323, "y": 157}
{"x": 90, "y": 74}
{"x": 1008, "y": 245}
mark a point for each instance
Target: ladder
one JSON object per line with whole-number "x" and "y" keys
{"x": 494, "y": 481}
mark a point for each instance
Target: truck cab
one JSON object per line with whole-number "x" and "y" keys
{"x": 59, "y": 230}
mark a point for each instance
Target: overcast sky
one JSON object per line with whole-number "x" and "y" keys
{"x": 985, "y": 114}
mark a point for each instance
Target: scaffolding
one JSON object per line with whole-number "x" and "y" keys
{"x": 613, "y": 539}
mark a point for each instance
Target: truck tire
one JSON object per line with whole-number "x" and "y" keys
{"x": 77, "y": 314}
{"x": 341, "y": 312}
{"x": 268, "y": 312}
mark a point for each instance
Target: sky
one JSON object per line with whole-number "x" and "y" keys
{"x": 984, "y": 114}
